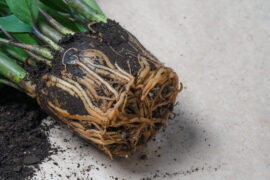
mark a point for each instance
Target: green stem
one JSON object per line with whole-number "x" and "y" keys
{"x": 55, "y": 24}
{"x": 11, "y": 84}
{"x": 73, "y": 15}
{"x": 16, "y": 55}
{"x": 87, "y": 11}
{"x": 94, "y": 5}
{"x": 50, "y": 32}
{"x": 11, "y": 70}
{"x": 38, "y": 58}
{"x": 21, "y": 56}
{"x": 46, "y": 39}
{"x": 45, "y": 52}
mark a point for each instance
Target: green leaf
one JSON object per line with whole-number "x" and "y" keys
{"x": 17, "y": 53}
{"x": 93, "y": 4}
{"x": 13, "y": 24}
{"x": 3, "y": 3}
{"x": 58, "y": 5}
{"x": 25, "y": 38}
{"x": 25, "y": 10}
{"x": 3, "y": 8}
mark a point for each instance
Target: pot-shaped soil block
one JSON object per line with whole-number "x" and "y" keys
{"x": 109, "y": 89}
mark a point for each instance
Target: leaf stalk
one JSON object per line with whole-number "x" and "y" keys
{"x": 46, "y": 40}
{"x": 45, "y": 52}
{"x": 87, "y": 11}
{"x": 55, "y": 24}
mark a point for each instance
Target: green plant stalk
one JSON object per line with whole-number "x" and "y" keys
{"x": 87, "y": 11}
{"x": 67, "y": 19}
{"x": 16, "y": 55}
{"x": 55, "y": 24}
{"x": 46, "y": 40}
{"x": 37, "y": 58}
{"x": 50, "y": 32}
{"x": 77, "y": 17}
{"x": 33, "y": 48}
{"x": 9, "y": 83}
{"x": 19, "y": 54}
{"x": 11, "y": 70}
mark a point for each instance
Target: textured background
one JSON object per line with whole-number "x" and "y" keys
{"x": 221, "y": 52}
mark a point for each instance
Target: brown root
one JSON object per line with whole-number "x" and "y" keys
{"x": 115, "y": 107}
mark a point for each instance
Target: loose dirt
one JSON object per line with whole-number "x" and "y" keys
{"x": 23, "y": 140}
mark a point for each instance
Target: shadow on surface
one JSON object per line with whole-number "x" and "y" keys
{"x": 171, "y": 146}
{"x": 174, "y": 146}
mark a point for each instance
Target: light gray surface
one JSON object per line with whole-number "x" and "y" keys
{"x": 221, "y": 52}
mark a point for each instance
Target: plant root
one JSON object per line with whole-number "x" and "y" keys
{"x": 116, "y": 107}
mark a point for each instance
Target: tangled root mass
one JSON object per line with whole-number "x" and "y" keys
{"x": 109, "y": 89}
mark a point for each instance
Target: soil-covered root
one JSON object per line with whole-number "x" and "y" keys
{"x": 109, "y": 89}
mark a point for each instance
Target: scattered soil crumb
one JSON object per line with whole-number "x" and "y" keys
{"x": 143, "y": 157}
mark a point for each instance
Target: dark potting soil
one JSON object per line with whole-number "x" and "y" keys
{"x": 23, "y": 141}
{"x": 111, "y": 39}
{"x": 115, "y": 44}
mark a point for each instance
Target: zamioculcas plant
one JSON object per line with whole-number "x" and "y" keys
{"x": 87, "y": 71}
